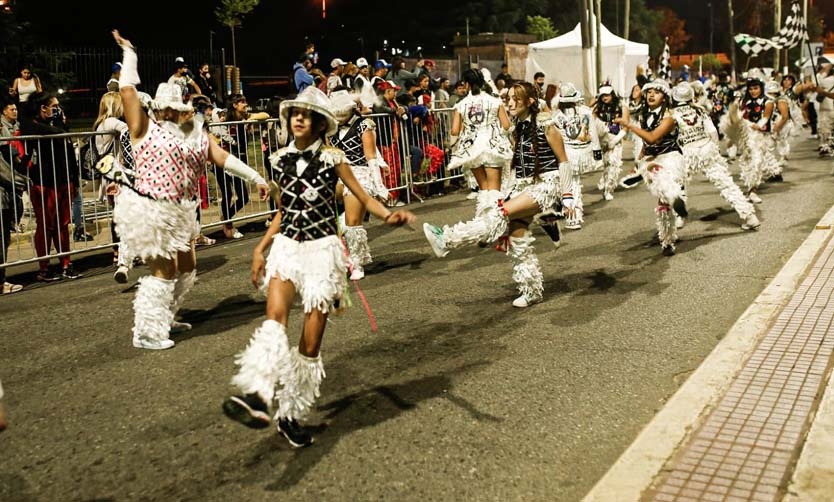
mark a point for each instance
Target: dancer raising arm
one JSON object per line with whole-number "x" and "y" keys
{"x": 156, "y": 189}
{"x": 305, "y": 256}
{"x": 543, "y": 177}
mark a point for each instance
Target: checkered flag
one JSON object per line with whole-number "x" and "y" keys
{"x": 664, "y": 69}
{"x": 754, "y": 45}
{"x": 794, "y": 32}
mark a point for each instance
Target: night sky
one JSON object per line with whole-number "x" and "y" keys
{"x": 275, "y": 32}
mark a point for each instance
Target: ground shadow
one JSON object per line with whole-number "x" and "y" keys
{"x": 230, "y": 313}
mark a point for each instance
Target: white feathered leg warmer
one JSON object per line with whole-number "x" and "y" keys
{"x": 666, "y": 230}
{"x": 720, "y": 177}
{"x": 152, "y": 309}
{"x": 265, "y": 361}
{"x": 527, "y": 272}
{"x": 297, "y": 397}
{"x": 184, "y": 282}
{"x": 356, "y": 239}
{"x": 488, "y": 227}
{"x": 613, "y": 167}
{"x": 487, "y": 199}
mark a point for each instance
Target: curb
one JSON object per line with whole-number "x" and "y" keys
{"x": 644, "y": 459}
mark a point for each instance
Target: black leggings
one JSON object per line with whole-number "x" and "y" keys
{"x": 227, "y": 185}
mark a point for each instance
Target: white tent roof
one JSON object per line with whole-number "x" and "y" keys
{"x": 574, "y": 39}
{"x": 562, "y": 58}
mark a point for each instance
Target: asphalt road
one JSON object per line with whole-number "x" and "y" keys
{"x": 458, "y": 396}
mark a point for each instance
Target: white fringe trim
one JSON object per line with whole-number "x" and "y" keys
{"x": 370, "y": 181}
{"x": 356, "y": 239}
{"x": 546, "y": 191}
{"x": 527, "y": 272}
{"x": 265, "y": 361}
{"x": 152, "y": 309}
{"x": 316, "y": 268}
{"x": 665, "y": 174}
{"x": 487, "y": 227}
{"x": 296, "y": 400}
{"x": 666, "y": 229}
{"x": 155, "y": 228}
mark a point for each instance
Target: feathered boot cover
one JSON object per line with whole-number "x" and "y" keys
{"x": 184, "y": 282}
{"x": 666, "y": 229}
{"x": 527, "y": 273}
{"x": 356, "y": 239}
{"x": 299, "y": 394}
{"x": 487, "y": 199}
{"x": 265, "y": 361}
{"x": 613, "y": 166}
{"x": 721, "y": 179}
{"x": 487, "y": 227}
{"x": 152, "y": 313}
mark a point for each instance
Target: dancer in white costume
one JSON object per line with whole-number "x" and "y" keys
{"x": 698, "y": 138}
{"x": 542, "y": 179}
{"x": 608, "y": 108}
{"x": 636, "y": 104}
{"x": 749, "y": 129}
{"x": 356, "y": 137}
{"x": 662, "y": 164}
{"x": 575, "y": 121}
{"x": 480, "y": 122}
{"x": 783, "y": 126}
{"x": 306, "y": 257}
{"x": 156, "y": 188}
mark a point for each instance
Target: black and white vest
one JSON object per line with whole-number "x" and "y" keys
{"x": 649, "y": 121}
{"x": 351, "y": 142}
{"x": 531, "y": 144}
{"x": 308, "y": 200}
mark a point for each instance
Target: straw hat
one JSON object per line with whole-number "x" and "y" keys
{"x": 169, "y": 96}
{"x": 314, "y": 100}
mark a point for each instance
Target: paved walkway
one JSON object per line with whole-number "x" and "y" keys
{"x": 747, "y": 447}
{"x": 749, "y": 424}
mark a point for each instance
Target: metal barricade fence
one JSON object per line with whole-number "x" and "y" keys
{"x": 63, "y": 206}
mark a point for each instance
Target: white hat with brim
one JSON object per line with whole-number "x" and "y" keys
{"x": 169, "y": 96}
{"x": 606, "y": 89}
{"x": 772, "y": 88}
{"x": 568, "y": 93}
{"x": 343, "y": 104}
{"x": 314, "y": 100}
{"x": 683, "y": 93}
{"x": 658, "y": 85}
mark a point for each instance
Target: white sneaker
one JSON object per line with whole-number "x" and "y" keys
{"x": 751, "y": 223}
{"x": 357, "y": 274}
{"x": 679, "y": 222}
{"x": 179, "y": 327}
{"x": 121, "y": 274}
{"x": 754, "y": 198}
{"x": 472, "y": 196}
{"x": 608, "y": 196}
{"x": 435, "y": 237}
{"x": 146, "y": 343}
{"x": 573, "y": 225}
{"x": 524, "y": 301}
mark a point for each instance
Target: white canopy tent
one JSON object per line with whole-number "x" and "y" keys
{"x": 561, "y": 58}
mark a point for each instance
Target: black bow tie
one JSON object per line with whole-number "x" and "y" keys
{"x": 652, "y": 118}
{"x": 293, "y": 157}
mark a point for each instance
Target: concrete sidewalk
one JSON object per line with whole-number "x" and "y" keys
{"x": 756, "y": 420}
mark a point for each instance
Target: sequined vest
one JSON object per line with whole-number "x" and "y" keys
{"x": 351, "y": 142}
{"x": 308, "y": 201}
{"x": 753, "y": 110}
{"x": 530, "y": 144}
{"x": 668, "y": 143}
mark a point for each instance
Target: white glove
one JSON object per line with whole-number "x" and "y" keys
{"x": 236, "y": 167}
{"x": 130, "y": 75}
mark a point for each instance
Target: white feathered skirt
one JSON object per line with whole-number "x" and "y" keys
{"x": 546, "y": 191}
{"x": 155, "y": 228}
{"x": 370, "y": 180}
{"x": 317, "y": 269}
